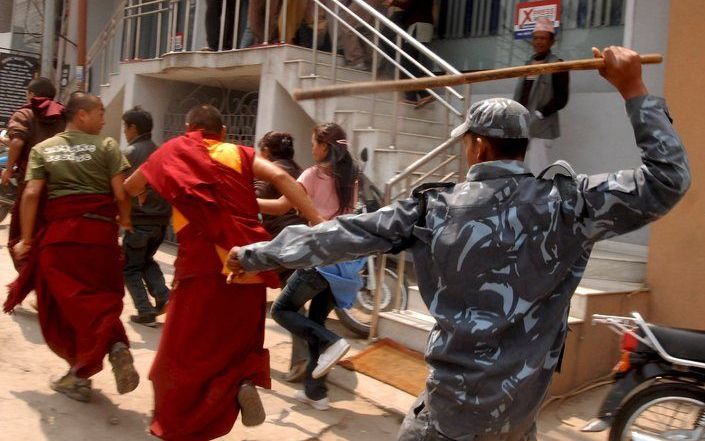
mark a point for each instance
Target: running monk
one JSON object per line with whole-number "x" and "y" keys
{"x": 74, "y": 261}
{"x": 39, "y": 119}
{"x": 211, "y": 354}
{"x": 501, "y": 253}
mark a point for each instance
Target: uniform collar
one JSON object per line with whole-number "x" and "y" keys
{"x": 497, "y": 169}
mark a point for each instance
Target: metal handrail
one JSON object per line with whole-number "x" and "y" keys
{"x": 408, "y": 171}
{"x": 350, "y": 27}
{"x": 396, "y": 48}
{"x": 411, "y": 40}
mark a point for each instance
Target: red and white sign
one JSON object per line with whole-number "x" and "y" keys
{"x": 527, "y": 13}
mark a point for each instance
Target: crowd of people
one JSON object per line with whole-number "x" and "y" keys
{"x": 501, "y": 254}
{"x": 295, "y": 26}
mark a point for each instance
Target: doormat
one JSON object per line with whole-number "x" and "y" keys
{"x": 391, "y": 363}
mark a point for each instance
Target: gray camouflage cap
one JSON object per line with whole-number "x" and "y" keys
{"x": 497, "y": 118}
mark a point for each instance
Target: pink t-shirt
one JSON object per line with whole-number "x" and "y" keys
{"x": 320, "y": 187}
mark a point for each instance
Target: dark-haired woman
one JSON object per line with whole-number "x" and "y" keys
{"x": 332, "y": 186}
{"x": 278, "y": 147}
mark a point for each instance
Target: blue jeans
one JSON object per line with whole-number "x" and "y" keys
{"x": 302, "y": 286}
{"x": 142, "y": 273}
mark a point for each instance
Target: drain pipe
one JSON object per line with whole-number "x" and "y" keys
{"x": 81, "y": 43}
{"x": 48, "y": 39}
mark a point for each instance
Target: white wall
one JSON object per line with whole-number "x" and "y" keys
{"x": 596, "y": 135}
{"x": 278, "y": 111}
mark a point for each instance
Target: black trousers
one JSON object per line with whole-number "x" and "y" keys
{"x": 214, "y": 9}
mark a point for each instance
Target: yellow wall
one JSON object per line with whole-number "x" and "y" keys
{"x": 676, "y": 268}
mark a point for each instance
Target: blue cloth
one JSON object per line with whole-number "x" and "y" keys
{"x": 344, "y": 280}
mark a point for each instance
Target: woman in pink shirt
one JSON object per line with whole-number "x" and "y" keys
{"x": 332, "y": 186}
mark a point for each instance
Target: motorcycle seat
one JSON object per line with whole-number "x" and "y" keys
{"x": 681, "y": 343}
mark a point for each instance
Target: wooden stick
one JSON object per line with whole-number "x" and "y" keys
{"x": 455, "y": 80}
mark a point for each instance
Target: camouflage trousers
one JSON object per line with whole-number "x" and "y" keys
{"x": 418, "y": 426}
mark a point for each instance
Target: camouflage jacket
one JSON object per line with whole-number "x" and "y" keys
{"x": 502, "y": 254}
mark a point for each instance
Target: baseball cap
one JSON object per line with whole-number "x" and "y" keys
{"x": 545, "y": 25}
{"x": 496, "y": 118}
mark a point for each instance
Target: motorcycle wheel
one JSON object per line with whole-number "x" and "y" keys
{"x": 359, "y": 317}
{"x": 666, "y": 411}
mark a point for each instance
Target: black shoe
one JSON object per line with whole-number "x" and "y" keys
{"x": 145, "y": 319}
{"x": 161, "y": 306}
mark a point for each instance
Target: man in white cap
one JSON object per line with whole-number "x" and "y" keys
{"x": 544, "y": 96}
{"x": 500, "y": 255}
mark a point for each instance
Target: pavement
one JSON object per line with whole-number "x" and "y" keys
{"x": 362, "y": 407}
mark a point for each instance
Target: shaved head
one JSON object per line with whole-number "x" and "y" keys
{"x": 206, "y": 118}
{"x": 81, "y": 101}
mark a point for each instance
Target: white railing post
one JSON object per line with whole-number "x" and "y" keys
{"x": 314, "y": 42}
{"x": 187, "y": 26}
{"x": 158, "y": 48}
{"x": 268, "y": 4}
{"x": 138, "y": 31}
{"x": 334, "y": 49}
{"x": 375, "y": 68}
{"x": 221, "y": 34}
{"x": 282, "y": 37}
{"x": 236, "y": 26}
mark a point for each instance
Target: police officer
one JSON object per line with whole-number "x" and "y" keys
{"x": 502, "y": 254}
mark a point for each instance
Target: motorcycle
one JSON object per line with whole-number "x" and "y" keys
{"x": 359, "y": 317}
{"x": 659, "y": 389}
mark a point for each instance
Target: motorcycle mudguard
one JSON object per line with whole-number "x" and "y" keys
{"x": 626, "y": 383}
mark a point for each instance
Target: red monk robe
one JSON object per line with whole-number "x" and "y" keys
{"x": 75, "y": 267}
{"x": 214, "y": 333}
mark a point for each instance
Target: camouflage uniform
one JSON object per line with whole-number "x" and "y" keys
{"x": 502, "y": 254}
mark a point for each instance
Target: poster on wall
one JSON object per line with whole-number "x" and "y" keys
{"x": 16, "y": 71}
{"x": 527, "y": 13}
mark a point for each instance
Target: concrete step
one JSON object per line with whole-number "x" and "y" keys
{"x": 325, "y": 70}
{"x": 384, "y": 138}
{"x": 361, "y": 119}
{"x": 590, "y": 289}
{"x": 387, "y": 163}
{"x": 408, "y": 328}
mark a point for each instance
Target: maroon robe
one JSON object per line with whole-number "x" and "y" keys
{"x": 75, "y": 267}
{"x": 214, "y": 333}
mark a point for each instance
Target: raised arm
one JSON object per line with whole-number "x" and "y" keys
{"x": 623, "y": 201}
{"x": 294, "y": 194}
{"x": 344, "y": 238}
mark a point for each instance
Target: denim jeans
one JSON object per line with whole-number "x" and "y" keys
{"x": 142, "y": 273}
{"x": 299, "y": 347}
{"x": 302, "y": 286}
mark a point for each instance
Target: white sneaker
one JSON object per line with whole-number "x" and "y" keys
{"x": 330, "y": 357}
{"x": 321, "y": 404}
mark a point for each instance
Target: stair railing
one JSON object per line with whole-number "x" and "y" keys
{"x": 399, "y": 34}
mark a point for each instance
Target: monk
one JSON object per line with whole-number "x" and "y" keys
{"x": 39, "y": 119}
{"x": 211, "y": 354}
{"x": 73, "y": 261}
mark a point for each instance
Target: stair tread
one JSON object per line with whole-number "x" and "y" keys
{"x": 609, "y": 255}
{"x": 420, "y": 135}
{"x": 600, "y": 286}
{"x": 389, "y": 115}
